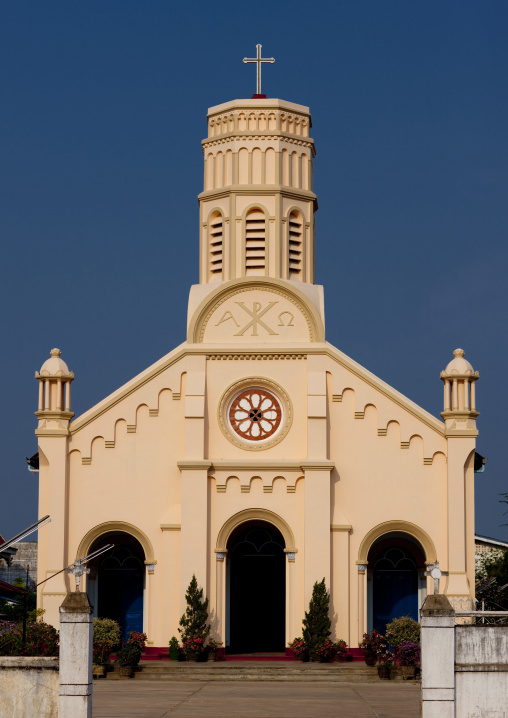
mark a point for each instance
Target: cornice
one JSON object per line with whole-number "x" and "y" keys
{"x": 235, "y": 350}
{"x": 133, "y": 385}
{"x": 341, "y": 527}
{"x": 258, "y": 189}
{"x": 253, "y": 465}
{"x": 272, "y": 103}
{"x": 193, "y": 464}
{"x": 258, "y": 136}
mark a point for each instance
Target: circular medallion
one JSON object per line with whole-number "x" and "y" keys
{"x": 255, "y": 414}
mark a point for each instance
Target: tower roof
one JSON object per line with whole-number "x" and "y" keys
{"x": 54, "y": 365}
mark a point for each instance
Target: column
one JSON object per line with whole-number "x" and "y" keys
{"x": 317, "y": 469}
{"x": 220, "y": 595}
{"x": 362, "y": 600}
{"x": 438, "y": 658}
{"x": 317, "y": 526}
{"x": 76, "y": 640}
{"x": 53, "y": 539}
{"x": 459, "y": 448}
{"x": 194, "y": 534}
{"x": 194, "y": 481}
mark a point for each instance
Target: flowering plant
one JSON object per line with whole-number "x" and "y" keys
{"x": 41, "y": 640}
{"x": 194, "y": 644}
{"x": 130, "y": 652}
{"x": 341, "y": 650}
{"x": 407, "y": 654}
{"x": 138, "y": 639}
{"x": 373, "y": 642}
{"x": 348, "y": 657}
{"x": 324, "y": 650}
{"x": 299, "y": 648}
{"x": 385, "y": 657}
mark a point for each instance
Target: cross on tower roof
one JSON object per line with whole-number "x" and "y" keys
{"x": 258, "y": 60}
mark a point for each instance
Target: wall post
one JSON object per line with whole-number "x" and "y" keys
{"x": 438, "y": 657}
{"x": 76, "y": 641}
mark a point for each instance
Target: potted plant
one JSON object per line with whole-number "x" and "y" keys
{"x": 372, "y": 644}
{"x": 385, "y": 658}
{"x": 349, "y": 657}
{"x": 106, "y": 635}
{"x": 129, "y": 655}
{"x": 175, "y": 650}
{"x": 407, "y": 655}
{"x": 212, "y": 648}
{"x": 299, "y": 649}
{"x": 194, "y": 648}
{"x": 324, "y": 651}
{"x": 341, "y": 650}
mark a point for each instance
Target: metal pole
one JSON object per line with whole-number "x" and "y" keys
{"x": 25, "y": 607}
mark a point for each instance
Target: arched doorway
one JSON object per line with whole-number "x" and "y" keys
{"x": 396, "y": 579}
{"x": 256, "y": 588}
{"x": 117, "y": 580}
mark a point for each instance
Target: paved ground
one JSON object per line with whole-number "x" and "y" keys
{"x": 193, "y": 699}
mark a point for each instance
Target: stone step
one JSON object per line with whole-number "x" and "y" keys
{"x": 258, "y": 671}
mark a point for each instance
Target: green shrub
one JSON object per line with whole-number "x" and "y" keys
{"x": 194, "y": 621}
{"x": 106, "y": 636}
{"x": 316, "y": 624}
{"x": 402, "y": 629}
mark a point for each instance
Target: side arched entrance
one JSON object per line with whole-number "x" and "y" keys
{"x": 396, "y": 582}
{"x": 255, "y": 589}
{"x": 117, "y": 581}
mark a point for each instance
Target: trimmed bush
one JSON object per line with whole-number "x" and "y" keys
{"x": 402, "y": 629}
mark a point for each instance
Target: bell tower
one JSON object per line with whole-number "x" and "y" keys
{"x": 257, "y": 207}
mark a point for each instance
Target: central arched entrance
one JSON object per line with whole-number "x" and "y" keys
{"x": 117, "y": 581}
{"x": 256, "y": 588}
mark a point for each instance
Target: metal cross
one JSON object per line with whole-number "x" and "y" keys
{"x": 78, "y": 568}
{"x": 258, "y": 60}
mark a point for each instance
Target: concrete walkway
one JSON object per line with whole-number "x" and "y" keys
{"x": 200, "y": 699}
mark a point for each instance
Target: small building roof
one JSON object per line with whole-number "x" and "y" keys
{"x": 486, "y": 540}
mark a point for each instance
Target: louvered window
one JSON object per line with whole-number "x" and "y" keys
{"x": 295, "y": 245}
{"x": 215, "y": 231}
{"x": 255, "y": 242}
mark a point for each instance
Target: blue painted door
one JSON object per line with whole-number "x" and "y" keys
{"x": 131, "y": 611}
{"x": 395, "y": 594}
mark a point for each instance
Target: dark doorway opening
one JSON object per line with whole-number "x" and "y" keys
{"x": 397, "y": 563}
{"x": 257, "y": 589}
{"x": 120, "y": 579}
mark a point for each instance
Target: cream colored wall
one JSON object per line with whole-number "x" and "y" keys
{"x": 388, "y": 458}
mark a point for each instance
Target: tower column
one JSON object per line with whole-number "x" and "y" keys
{"x": 461, "y": 433}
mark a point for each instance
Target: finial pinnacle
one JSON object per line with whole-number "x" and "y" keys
{"x": 459, "y": 353}
{"x": 55, "y": 352}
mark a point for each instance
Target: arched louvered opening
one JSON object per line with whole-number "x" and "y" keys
{"x": 295, "y": 245}
{"x": 215, "y": 233}
{"x": 255, "y": 242}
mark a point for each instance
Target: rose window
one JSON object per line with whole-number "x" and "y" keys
{"x": 255, "y": 414}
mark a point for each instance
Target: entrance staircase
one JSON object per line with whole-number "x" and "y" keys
{"x": 231, "y": 670}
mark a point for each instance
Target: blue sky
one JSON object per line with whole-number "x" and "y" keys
{"x": 103, "y": 110}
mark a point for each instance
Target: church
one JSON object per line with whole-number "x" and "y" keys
{"x": 255, "y": 455}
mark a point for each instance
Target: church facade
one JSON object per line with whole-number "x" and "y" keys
{"x": 256, "y": 455}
